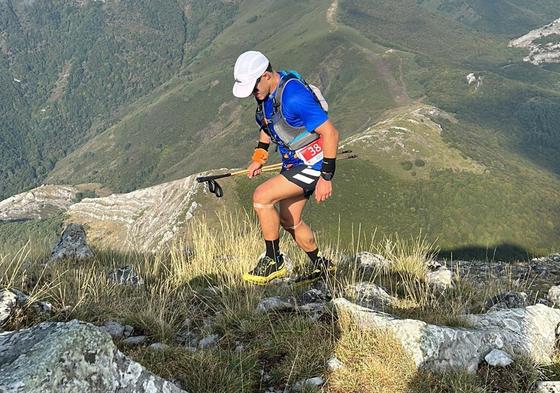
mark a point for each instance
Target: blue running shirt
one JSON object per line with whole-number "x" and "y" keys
{"x": 300, "y": 109}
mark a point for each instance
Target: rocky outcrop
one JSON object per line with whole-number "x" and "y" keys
{"x": 475, "y": 80}
{"x": 540, "y": 272}
{"x": 142, "y": 220}
{"x": 71, "y": 357}
{"x": 125, "y": 276}
{"x": 527, "y": 331}
{"x": 12, "y": 299}
{"x": 41, "y": 202}
{"x": 8, "y": 303}
{"x": 410, "y": 144}
{"x": 370, "y": 295}
{"x": 71, "y": 245}
{"x": 543, "y": 44}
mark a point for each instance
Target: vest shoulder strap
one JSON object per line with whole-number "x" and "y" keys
{"x": 290, "y": 75}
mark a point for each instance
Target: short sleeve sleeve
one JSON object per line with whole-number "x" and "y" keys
{"x": 300, "y": 107}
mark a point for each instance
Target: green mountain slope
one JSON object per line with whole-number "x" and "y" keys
{"x": 189, "y": 123}
{"x": 68, "y": 66}
{"x": 478, "y": 168}
{"x": 510, "y": 17}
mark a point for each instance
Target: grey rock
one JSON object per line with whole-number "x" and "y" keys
{"x": 507, "y": 300}
{"x": 208, "y": 341}
{"x": 367, "y": 260}
{"x": 552, "y": 258}
{"x": 498, "y": 358}
{"x": 11, "y": 299}
{"x": 334, "y": 364}
{"x": 540, "y": 275}
{"x": 193, "y": 341}
{"x": 158, "y": 346}
{"x": 529, "y": 332}
{"x": 71, "y": 245}
{"x": 315, "y": 382}
{"x": 176, "y": 382}
{"x": 313, "y": 310}
{"x": 313, "y": 296}
{"x": 134, "y": 340}
{"x": 239, "y": 347}
{"x": 276, "y": 303}
{"x": 441, "y": 278}
{"x": 71, "y": 357}
{"x": 187, "y": 323}
{"x": 127, "y": 332}
{"x": 548, "y": 387}
{"x": 554, "y": 295}
{"x": 370, "y": 295}
{"x": 125, "y": 276}
{"x": 185, "y": 337}
{"x": 114, "y": 328}
{"x": 8, "y": 303}
{"x": 433, "y": 264}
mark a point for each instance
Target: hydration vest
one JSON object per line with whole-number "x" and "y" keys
{"x": 292, "y": 138}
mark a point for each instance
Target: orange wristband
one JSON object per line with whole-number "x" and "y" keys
{"x": 260, "y": 156}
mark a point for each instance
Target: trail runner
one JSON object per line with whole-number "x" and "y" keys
{"x": 289, "y": 114}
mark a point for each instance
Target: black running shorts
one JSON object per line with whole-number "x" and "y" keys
{"x": 304, "y": 176}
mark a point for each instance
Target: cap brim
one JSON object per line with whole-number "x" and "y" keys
{"x": 243, "y": 90}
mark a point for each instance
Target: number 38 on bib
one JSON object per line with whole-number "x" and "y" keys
{"x": 312, "y": 153}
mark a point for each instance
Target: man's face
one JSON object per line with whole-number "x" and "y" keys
{"x": 261, "y": 87}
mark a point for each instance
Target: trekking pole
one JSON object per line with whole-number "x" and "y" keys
{"x": 217, "y": 190}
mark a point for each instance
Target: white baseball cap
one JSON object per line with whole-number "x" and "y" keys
{"x": 248, "y": 68}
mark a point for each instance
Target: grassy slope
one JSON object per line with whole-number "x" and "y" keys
{"x": 179, "y": 129}
{"x": 188, "y": 296}
{"x": 168, "y": 134}
{"x": 460, "y": 209}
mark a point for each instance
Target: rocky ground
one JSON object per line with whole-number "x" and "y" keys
{"x": 66, "y": 356}
{"x": 144, "y": 220}
{"x": 540, "y": 53}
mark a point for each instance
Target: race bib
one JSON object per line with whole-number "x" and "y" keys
{"x": 312, "y": 153}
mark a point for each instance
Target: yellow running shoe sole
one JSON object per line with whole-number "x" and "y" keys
{"x": 260, "y": 280}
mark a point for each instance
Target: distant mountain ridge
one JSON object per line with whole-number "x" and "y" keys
{"x": 375, "y": 61}
{"x": 68, "y": 67}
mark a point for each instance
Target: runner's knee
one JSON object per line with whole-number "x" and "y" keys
{"x": 260, "y": 197}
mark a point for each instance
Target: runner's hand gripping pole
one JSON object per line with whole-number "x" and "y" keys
{"x": 217, "y": 190}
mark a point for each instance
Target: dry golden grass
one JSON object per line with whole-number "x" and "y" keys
{"x": 203, "y": 284}
{"x": 374, "y": 361}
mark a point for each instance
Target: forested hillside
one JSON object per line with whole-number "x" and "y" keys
{"x": 457, "y": 134}
{"x": 68, "y": 67}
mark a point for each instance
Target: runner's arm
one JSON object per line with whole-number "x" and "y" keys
{"x": 260, "y": 156}
{"x": 330, "y": 138}
{"x": 263, "y": 137}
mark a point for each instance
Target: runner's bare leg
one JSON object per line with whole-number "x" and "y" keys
{"x": 265, "y": 196}
{"x": 291, "y": 210}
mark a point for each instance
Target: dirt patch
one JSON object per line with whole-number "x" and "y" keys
{"x": 331, "y": 14}
{"x": 61, "y": 83}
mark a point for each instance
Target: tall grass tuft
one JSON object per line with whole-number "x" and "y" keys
{"x": 194, "y": 288}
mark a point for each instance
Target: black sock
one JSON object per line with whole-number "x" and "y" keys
{"x": 273, "y": 249}
{"x": 313, "y": 255}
